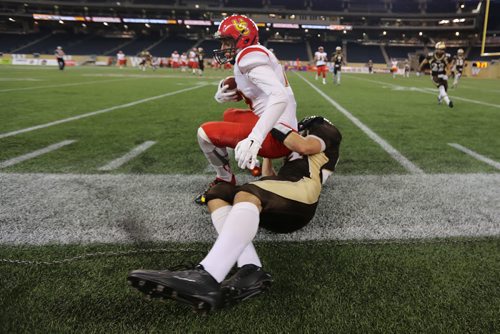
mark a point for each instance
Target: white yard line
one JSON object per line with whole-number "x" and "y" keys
{"x": 426, "y": 91}
{"x": 476, "y": 155}
{"x": 93, "y": 113}
{"x": 35, "y": 154}
{"x": 407, "y": 164}
{"x": 127, "y": 157}
{"x": 60, "y": 85}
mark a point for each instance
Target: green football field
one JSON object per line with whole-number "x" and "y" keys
{"x": 406, "y": 238}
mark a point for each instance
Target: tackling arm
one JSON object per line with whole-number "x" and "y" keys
{"x": 304, "y": 145}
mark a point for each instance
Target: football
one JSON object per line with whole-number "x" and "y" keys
{"x": 231, "y": 82}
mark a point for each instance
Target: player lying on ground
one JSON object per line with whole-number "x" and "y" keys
{"x": 263, "y": 85}
{"x": 281, "y": 203}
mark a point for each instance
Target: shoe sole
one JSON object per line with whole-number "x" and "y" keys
{"x": 235, "y": 296}
{"x": 155, "y": 290}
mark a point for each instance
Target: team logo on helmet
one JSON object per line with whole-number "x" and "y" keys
{"x": 241, "y": 26}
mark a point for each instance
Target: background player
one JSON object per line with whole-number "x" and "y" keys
{"x": 321, "y": 57}
{"x": 59, "y": 53}
{"x": 146, "y": 59}
{"x": 407, "y": 68}
{"x": 457, "y": 66}
{"x": 263, "y": 84}
{"x": 121, "y": 61}
{"x": 282, "y": 203}
{"x": 439, "y": 62}
{"x": 184, "y": 62}
{"x": 201, "y": 61}
{"x": 193, "y": 60}
{"x": 174, "y": 59}
{"x": 338, "y": 61}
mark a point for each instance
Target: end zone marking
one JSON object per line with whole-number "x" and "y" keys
{"x": 127, "y": 157}
{"x": 407, "y": 164}
{"x": 93, "y": 113}
{"x": 476, "y": 155}
{"x": 35, "y": 154}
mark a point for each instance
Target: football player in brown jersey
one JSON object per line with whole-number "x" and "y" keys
{"x": 282, "y": 202}
{"x": 338, "y": 61}
{"x": 457, "y": 66}
{"x": 440, "y": 64}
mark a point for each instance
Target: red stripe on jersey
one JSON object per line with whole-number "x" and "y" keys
{"x": 248, "y": 50}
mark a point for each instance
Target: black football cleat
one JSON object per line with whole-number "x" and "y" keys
{"x": 450, "y": 104}
{"x": 250, "y": 280}
{"x": 195, "y": 287}
{"x": 201, "y": 198}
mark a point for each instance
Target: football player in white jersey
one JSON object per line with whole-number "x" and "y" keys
{"x": 174, "y": 59}
{"x": 263, "y": 85}
{"x": 321, "y": 58}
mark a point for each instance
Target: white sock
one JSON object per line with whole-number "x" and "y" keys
{"x": 338, "y": 78}
{"x": 442, "y": 93}
{"x": 216, "y": 156}
{"x": 249, "y": 255}
{"x": 238, "y": 231}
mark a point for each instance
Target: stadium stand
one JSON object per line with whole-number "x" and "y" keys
{"x": 10, "y": 42}
{"x": 327, "y": 5}
{"x": 48, "y": 45}
{"x": 288, "y": 4}
{"x": 289, "y": 51}
{"x": 95, "y": 45}
{"x": 209, "y": 45}
{"x": 139, "y": 43}
{"x": 358, "y": 53}
{"x": 405, "y": 6}
{"x": 244, "y": 3}
{"x": 441, "y": 6}
{"x": 401, "y": 51}
{"x": 167, "y": 46}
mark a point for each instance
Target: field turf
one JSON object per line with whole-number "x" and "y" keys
{"x": 421, "y": 286}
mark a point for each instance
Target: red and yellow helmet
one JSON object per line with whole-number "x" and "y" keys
{"x": 239, "y": 29}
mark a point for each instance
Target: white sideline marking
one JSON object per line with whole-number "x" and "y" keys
{"x": 426, "y": 91}
{"x": 20, "y": 79}
{"x": 476, "y": 155}
{"x": 61, "y": 85}
{"x": 411, "y": 167}
{"x": 93, "y": 113}
{"x": 35, "y": 154}
{"x": 127, "y": 157}
{"x": 39, "y": 209}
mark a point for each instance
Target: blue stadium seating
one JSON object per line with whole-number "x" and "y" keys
{"x": 95, "y": 45}
{"x": 289, "y": 4}
{"x": 400, "y": 51}
{"x": 48, "y": 45}
{"x": 289, "y": 51}
{"x": 405, "y": 6}
{"x": 358, "y": 53}
{"x": 244, "y": 3}
{"x": 9, "y": 42}
{"x": 166, "y": 47}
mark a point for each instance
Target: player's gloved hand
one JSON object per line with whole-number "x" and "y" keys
{"x": 246, "y": 153}
{"x": 224, "y": 94}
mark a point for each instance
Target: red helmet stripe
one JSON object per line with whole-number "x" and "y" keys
{"x": 248, "y": 50}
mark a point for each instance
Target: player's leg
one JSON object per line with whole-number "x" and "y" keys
{"x": 443, "y": 89}
{"x": 240, "y": 116}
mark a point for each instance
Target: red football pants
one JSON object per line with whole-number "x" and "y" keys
{"x": 237, "y": 125}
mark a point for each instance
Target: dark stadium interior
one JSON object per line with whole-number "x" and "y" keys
{"x": 366, "y": 29}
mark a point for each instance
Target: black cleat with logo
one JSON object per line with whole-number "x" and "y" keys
{"x": 250, "y": 280}
{"x": 195, "y": 287}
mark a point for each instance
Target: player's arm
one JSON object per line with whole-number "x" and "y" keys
{"x": 304, "y": 145}
{"x": 422, "y": 64}
{"x": 267, "y": 167}
{"x": 255, "y": 66}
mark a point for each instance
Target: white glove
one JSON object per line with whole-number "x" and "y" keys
{"x": 246, "y": 153}
{"x": 225, "y": 95}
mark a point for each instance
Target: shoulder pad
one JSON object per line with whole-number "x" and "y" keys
{"x": 430, "y": 54}
{"x": 251, "y": 57}
{"x": 447, "y": 55}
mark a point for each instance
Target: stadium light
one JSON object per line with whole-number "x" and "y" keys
{"x": 125, "y": 26}
{"x": 462, "y": 6}
{"x": 420, "y": 33}
{"x": 61, "y": 21}
{"x": 196, "y": 6}
{"x": 11, "y": 19}
{"x": 345, "y": 31}
{"x": 147, "y": 25}
{"x": 84, "y": 25}
{"x": 457, "y": 33}
{"x": 384, "y": 32}
{"x": 105, "y": 23}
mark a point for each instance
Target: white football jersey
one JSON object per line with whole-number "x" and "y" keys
{"x": 320, "y": 58}
{"x": 184, "y": 58}
{"x": 175, "y": 57}
{"x": 267, "y": 76}
{"x": 120, "y": 56}
{"x": 192, "y": 56}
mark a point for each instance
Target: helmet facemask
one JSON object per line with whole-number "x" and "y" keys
{"x": 225, "y": 54}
